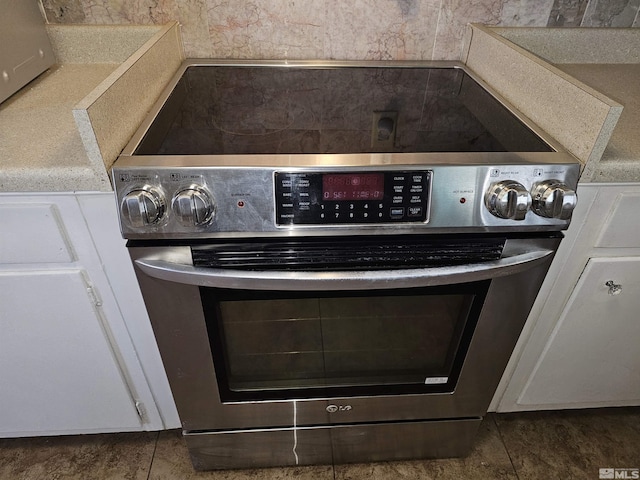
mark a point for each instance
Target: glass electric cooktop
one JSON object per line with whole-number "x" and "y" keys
{"x": 292, "y": 110}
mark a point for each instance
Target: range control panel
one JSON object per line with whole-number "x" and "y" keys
{"x": 313, "y": 198}
{"x": 194, "y": 201}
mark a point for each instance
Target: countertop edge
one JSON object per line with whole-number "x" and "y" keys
{"x": 580, "y": 117}
{"x": 111, "y": 113}
{"x": 607, "y": 60}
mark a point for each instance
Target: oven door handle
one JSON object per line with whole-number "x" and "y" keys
{"x": 340, "y": 280}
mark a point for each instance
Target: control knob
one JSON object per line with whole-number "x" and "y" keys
{"x": 143, "y": 206}
{"x": 553, "y": 199}
{"x": 508, "y": 199}
{"x": 193, "y": 206}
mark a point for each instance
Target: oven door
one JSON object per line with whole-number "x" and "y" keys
{"x": 266, "y": 348}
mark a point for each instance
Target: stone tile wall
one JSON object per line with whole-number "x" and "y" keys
{"x": 338, "y": 29}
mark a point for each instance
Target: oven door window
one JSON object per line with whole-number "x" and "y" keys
{"x": 272, "y": 345}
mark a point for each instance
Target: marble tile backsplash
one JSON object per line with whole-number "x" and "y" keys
{"x": 336, "y": 29}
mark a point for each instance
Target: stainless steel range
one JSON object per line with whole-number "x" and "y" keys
{"x": 337, "y": 259}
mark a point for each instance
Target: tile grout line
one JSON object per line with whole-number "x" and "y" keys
{"x": 506, "y": 449}
{"x": 153, "y": 455}
{"x": 333, "y": 465}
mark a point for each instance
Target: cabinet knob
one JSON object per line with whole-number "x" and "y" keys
{"x": 614, "y": 288}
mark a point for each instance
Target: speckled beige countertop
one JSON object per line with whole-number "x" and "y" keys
{"x": 620, "y": 161}
{"x": 581, "y": 85}
{"x": 63, "y": 131}
{"x": 40, "y": 146}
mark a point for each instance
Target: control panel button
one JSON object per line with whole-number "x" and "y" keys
{"x": 397, "y": 212}
{"x": 414, "y": 211}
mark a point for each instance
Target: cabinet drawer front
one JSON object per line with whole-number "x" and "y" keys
{"x": 33, "y": 233}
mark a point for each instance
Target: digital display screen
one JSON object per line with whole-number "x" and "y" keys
{"x": 350, "y": 186}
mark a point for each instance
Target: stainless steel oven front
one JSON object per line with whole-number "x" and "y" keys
{"x": 337, "y": 260}
{"x": 288, "y": 367}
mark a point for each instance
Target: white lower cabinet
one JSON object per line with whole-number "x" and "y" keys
{"x": 59, "y": 373}
{"x": 68, "y": 363}
{"x": 579, "y": 348}
{"x": 592, "y": 356}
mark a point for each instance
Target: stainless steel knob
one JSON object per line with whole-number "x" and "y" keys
{"x": 508, "y": 199}
{"x": 193, "y": 206}
{"x": 553, "y": 199}
{"x": 143, "y": 206}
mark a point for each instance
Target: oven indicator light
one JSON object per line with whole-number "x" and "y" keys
{"x": 435, "y": 380}
{"x": 463, "y": 200}
{"x": 240, "y": 203}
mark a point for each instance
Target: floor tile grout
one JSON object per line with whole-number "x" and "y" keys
{"x": 504, "y": 444}
{"x": 153, "y": 455}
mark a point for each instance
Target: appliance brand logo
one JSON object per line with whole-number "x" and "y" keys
{"x": 338, "y": 408}
{"x": 625, "y": 473}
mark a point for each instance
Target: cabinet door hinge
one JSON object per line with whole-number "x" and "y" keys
{"x": 142, "y": 413}
{"x": 93, "y": 293}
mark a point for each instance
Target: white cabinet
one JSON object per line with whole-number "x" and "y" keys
{"x": 57, "y": 367}
{"x": 101, "y": 217}
{"x": 68, "y": 363}
{"x": 580, "y": 345}
{"x": 592, "y": 355}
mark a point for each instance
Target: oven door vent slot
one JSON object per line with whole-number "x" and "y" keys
{"x": 347, "y": 254}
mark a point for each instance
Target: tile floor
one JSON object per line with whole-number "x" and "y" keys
{"x": 522, "y": 446}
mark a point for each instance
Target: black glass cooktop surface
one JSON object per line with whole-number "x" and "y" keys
{"x": 290, "y": 110}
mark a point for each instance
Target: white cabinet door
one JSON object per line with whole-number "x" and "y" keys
{"x": 592, "y": 356}
{"x": 58, "y": 370}
{"x": 101, "y": 218}
{"x": 33, "y": 233}
{"x": 67, "y": 360}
